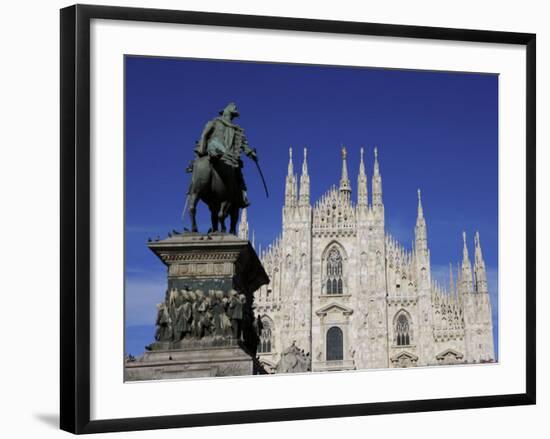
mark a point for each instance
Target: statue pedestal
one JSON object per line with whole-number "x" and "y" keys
{"x": 213, "y": 361}
{"x": 205, "y": 326}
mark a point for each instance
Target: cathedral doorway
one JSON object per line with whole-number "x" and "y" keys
{"x": 335, "y": 344}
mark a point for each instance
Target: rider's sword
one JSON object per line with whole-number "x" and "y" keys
{"x": 184, "y": 208}
{"x": 262, "y": 176}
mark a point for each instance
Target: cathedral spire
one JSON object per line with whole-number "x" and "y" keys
{"x": 290, "y": 184}
{"x": 421, "y": 234}
{"x": 345, "y": 186}
{"x": 243, "y": 225}
{"x": 362, "y": 192}
{"x": 479, "y": 267}
{"x": 466, "y": 285}
{"x": 478, "y": 254}
{"x": 420, "y": 210}
{"x": 376, "y": 182}
{"x": 290, "y": 164}
{"x": 304, "y": 183}
{"x": 465, "y": 256}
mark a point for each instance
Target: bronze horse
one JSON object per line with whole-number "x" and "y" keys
{"x": 215, "y": 183}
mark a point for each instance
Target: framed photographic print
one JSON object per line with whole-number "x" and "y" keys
{"x": 268, "y": 218}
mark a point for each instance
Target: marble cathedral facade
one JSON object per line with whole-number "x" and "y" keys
{"x": 344, "y": 291}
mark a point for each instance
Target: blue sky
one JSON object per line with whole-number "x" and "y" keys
{"x": 437, "y": 131}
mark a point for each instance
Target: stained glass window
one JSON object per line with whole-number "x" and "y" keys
{"x": 264, "y": 346}
{"x": 335, "y": 284}
{"x": 402, "y": 335}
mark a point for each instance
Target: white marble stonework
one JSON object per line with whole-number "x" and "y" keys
{"x": 346, "y": 292}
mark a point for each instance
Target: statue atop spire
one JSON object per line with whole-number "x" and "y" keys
{"x": 345, "y": 186}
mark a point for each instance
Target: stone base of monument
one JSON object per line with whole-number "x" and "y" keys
{"x": 205, "y": 325}
{"x": 230, "y": 359}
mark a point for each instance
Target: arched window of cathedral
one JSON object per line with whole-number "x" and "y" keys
{"x": 264, "y": 346}
{"x": 402, "y": 331}
{"x": 335, "y": 283}
{"x": 335, "y": 344}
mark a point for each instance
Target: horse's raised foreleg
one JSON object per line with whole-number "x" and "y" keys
{"x": 193, "y": 200}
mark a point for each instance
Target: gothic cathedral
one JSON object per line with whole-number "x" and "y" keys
{"x": 350, "y": 296}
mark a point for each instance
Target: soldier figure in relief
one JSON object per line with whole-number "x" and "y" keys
{"x": 235, "y": 313}
{"x": 164, "y": 324}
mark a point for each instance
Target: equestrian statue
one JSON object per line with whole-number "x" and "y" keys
{"x": 217, "y": 177}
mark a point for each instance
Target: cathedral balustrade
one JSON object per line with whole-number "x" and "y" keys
{"x": 442, "y": 335}
{"x": 267, "y": 308}
{"x": 334, "y": 233}
{"x": 409, "y": 300}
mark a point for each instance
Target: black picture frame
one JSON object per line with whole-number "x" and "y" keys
{"x": 75, "y": 217}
